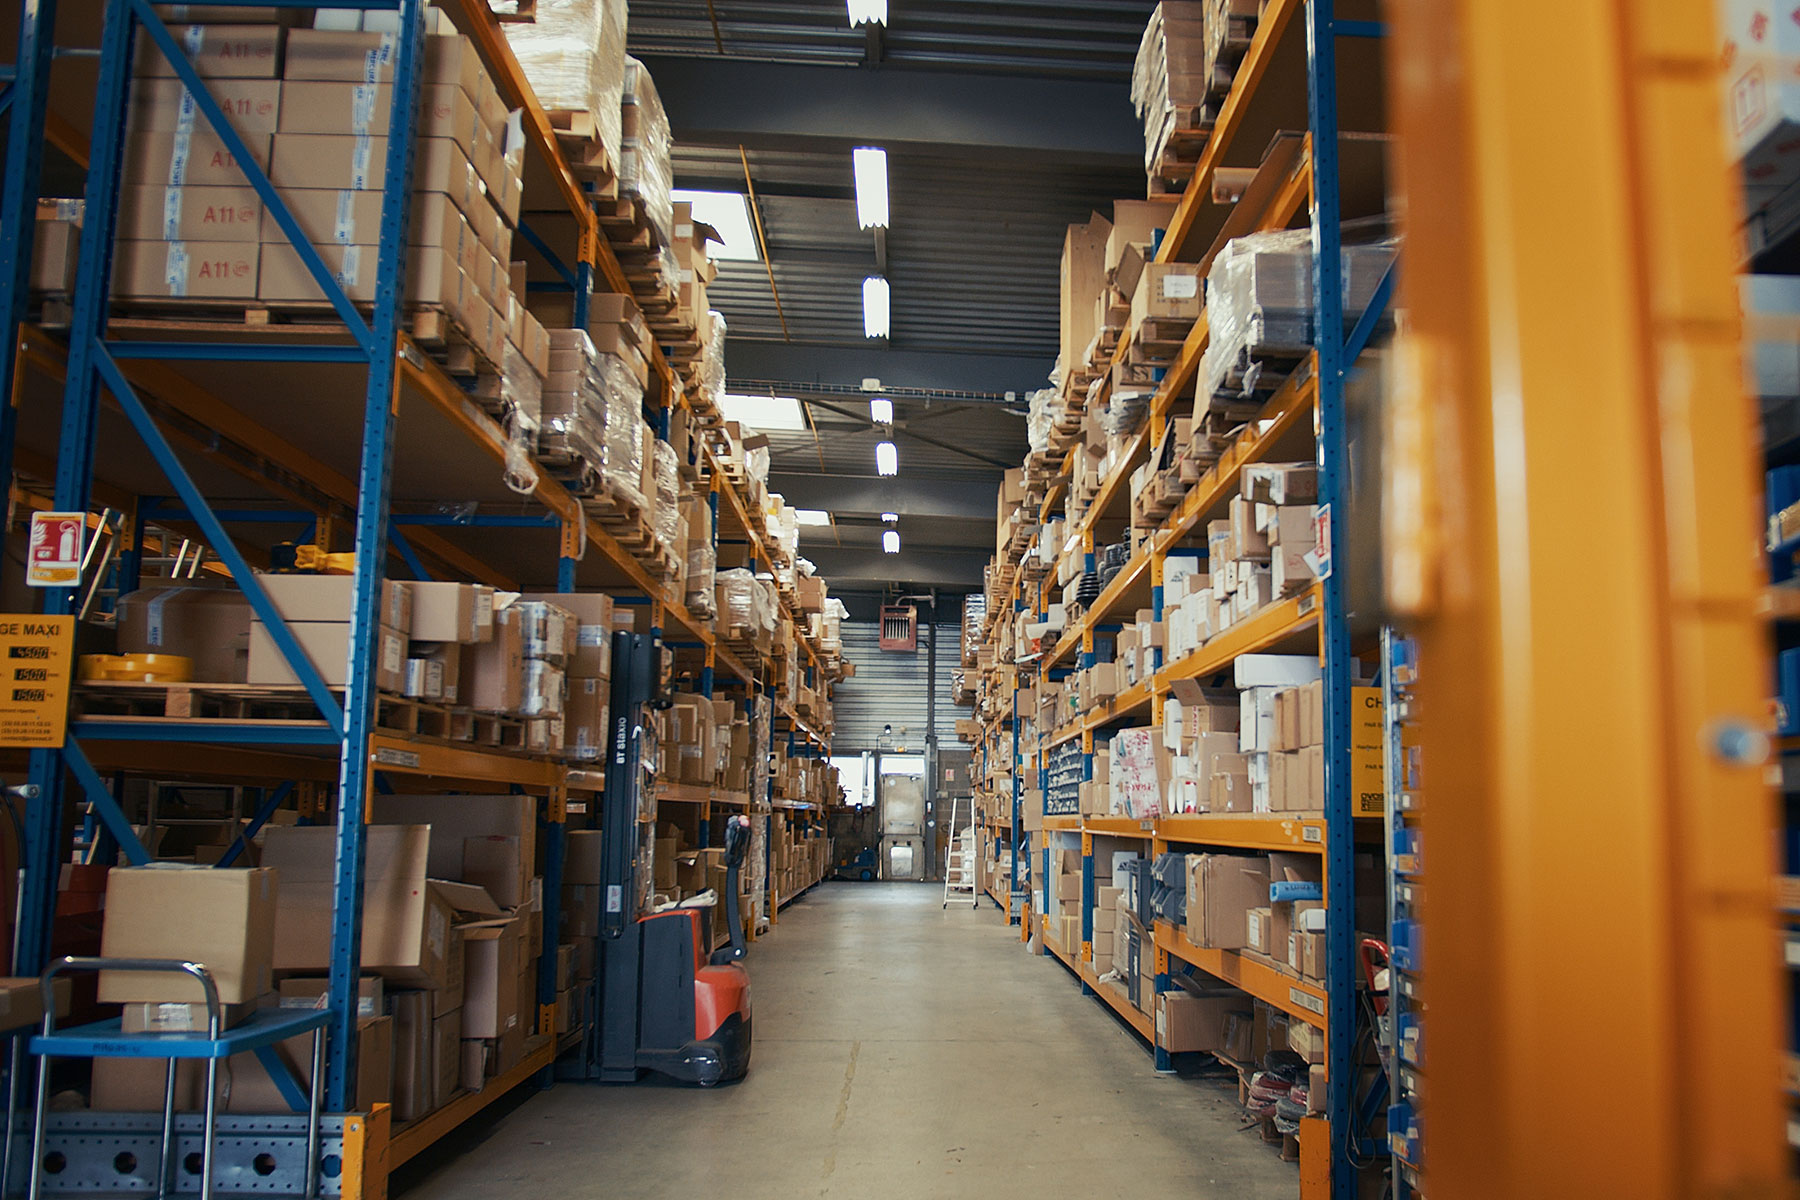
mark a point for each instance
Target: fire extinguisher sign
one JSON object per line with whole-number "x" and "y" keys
{"x": 54, "y": 557}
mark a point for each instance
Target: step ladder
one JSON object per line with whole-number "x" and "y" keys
{"x": 959, "y": 864}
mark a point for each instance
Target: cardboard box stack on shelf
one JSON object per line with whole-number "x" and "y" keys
{"x": 802, "y": 854}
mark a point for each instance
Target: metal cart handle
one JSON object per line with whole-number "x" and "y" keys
{"x": 47, "y": 983}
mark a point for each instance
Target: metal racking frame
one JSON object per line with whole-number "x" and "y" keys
{"x": 1314, "y": 620}
{"x": 395, "y": 375}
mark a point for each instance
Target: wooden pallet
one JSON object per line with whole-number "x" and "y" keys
{"x": 263, "y": 703}
{"x": 487, "y": 729}
{"x": 434, "y": 329}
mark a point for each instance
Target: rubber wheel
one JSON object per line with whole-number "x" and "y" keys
{"x": 867, "y": 875}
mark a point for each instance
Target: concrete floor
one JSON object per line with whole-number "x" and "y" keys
{"x": 900, "y": 1050}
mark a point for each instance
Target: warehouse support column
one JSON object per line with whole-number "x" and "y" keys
{"x": 1573, "y": 535}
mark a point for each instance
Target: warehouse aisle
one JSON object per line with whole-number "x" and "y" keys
{"x": 900, "y": 1051}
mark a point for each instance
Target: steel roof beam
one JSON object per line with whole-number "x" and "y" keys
{"x": 725, "y": 101}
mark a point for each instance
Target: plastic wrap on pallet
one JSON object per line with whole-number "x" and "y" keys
{"x": 573, "y": 54}
{"x": 645, "y": 150}
{"x": 702, "y": 562}
{"x": 737, "y": 599}
{"x": 756, "y": 464}
{"x": 665, "y": 468}
{"x": 974, "y": 618}
{"x": 548, "y": 631}
{"x": 1166, "y": 76}
{"x": 833, "y": 624}
{"x": 1259, "y": 297}
{"x": 1124, "y": 413}
{"x": 522, "y": 396}
{"x": 1040, "y": 408}
{"x": 712, "y": 362}
{"x": 1259, "y": 292}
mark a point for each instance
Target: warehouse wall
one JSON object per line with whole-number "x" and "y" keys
{"x": 889, "y": 689}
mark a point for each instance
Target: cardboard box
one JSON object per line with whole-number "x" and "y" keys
{"x": 1308, "y": 1041}
{"x": 446, "y": 1057}
{"x": 455, "y": 819}
{"x": 1221, "y": 888}
{"x": 185, "y": 270}
{"x": 593, "y": 611}
{"x": 494, "y": 956}
{"x": 304, "y": 991}
{"x": 582, "y": 863}
{"x": 334, "y": 107}
{"x": 198, "y": 159}
{"x": 586, "y": 709}
{"x": 1258, "y": 923}
{"x": 216, "y": 52}
{"x": 253, "y": 105}
{"x": 452, "y": 612}
{"x": 356, "y": 56}
{"x": 22, "y": 1000}
{"x": 411, "y": 1012}
{"x": 1186, "y": 1022}
{"x": 221, "y": 919}
{"x": 494, "y": 670}
{"x": 330, "y": 597}
{"x": 208, "y": 625}
{"x": 165, "y": 1016}
{"x": 1169, "y": 291}
{"x": 327, "y": 644}
{"x": 189, "y": 214}
{"x": 405, "y": 923}
{"x": 433, "y": 276}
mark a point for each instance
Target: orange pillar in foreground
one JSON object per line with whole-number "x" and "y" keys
{"x": 1574, "y": 536}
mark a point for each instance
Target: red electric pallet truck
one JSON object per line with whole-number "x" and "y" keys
{"x": 664, "y": 1004}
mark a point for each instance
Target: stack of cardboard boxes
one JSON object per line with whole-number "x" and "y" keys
{"x": 802, "y": 853}
{"x": 312, "y": 108}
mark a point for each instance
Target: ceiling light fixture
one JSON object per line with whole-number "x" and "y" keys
{"x": 890, "y": 541}
{"x": 811, "y": 516}
{"x": 890, "y": 518}
{"x": 870, "y": 166}
{"x": 875, "y": 307}
{"x": 887, "y": 458}
{"x": 864, "y": 11}
{"x": 881, "y": 411}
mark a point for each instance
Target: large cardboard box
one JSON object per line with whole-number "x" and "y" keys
{"x": 169, "y": 158}
{"x": 254, "y": 105}
{"x": 355, "y": 56}
{"x": 216, "y": 52}
{"x": 189, "y": 214}
{"x": 446, "y": 1057}
{"x": 582, "y": 863}
{"x": 405, "y": 923}
{"x": 220, "y": 919}
{"x": 457, "y": 818}
{"x": 593, "y": 630}
{"x": 495, "y": 956}
{"x": 209, "y": 625}
{"x": 452, "y": 612}
{"x": 433, "y": 276}
{"x": 1187, "y": 1022}
{"x": 1083, "y": 274}
{"x": 330, "y": 597}
{"x": 185, "y": 270}
{"x": 1221, "y": 889}
{"x": 1135, "y": 222}
{"x": 494, "y": 671}
{"x": 327, "y": 644}
{"x": 22, "y": 1000}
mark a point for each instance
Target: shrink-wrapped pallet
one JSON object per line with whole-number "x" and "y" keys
{"x": 738, "y": 598}
{"x": 645, "y": 170}
{"x": 573, "y": 54}
{"x": 1168, "y": 79}
{"x": 665, "y": 468}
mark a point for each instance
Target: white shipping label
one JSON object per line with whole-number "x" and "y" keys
{"x": 1180, "y": 287}
{"x": 175, "y": 269}
{"x": 393, "y": 654}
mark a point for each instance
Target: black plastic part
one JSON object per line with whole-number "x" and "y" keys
{"x": 721, "y": 1058}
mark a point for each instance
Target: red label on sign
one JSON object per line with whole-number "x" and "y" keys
{"x": 54, "y": 557}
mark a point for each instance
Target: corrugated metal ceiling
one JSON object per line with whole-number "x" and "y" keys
{"x": 1077, "y": 39}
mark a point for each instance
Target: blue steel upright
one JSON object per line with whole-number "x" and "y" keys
{"x": 1340, "y": 875}
{"x": 94, "y": 362}
{"x": 24, "y": 106}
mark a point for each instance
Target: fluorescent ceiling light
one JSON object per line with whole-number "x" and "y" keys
{"x": 870, "y": 165}
{"x": 875, "y": 307}
{"x": 864, "y": 11}
{"x": 890, "y": 541}
{"x": 811, "y": 516}
{"x": 881, "y": 411}
{"x": 890, "y": 518}
{"x": 887, "y": 458}
{"x": 729, "y": 213}
{"x": 769, "y": 414}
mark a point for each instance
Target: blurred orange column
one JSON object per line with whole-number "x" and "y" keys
{"x": 1574, "y": 531}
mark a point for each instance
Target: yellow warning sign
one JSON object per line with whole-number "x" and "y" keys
{"x": 37, "y": 659}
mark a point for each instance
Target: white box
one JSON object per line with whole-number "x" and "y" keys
{"x": 1275, "y": 670}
